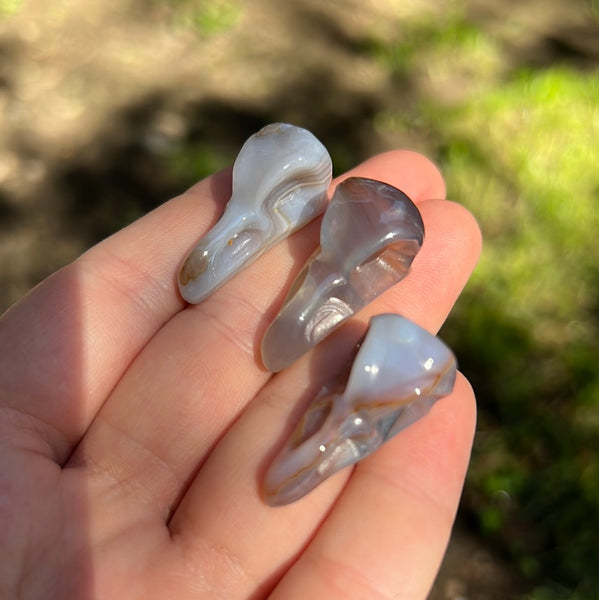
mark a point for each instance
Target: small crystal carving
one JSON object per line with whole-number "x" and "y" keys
{"x": 370, "y": 234}
{"x": 280, "y": 182}
{"x": 399, "y": 372}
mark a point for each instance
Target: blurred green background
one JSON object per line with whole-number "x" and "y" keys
{"x": 109, "y": 108}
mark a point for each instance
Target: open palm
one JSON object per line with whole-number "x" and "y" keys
{"x": 135, "y": 430}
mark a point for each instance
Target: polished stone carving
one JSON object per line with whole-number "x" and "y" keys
{"x": 280, "y": 182}
{"x": 369, "y": 236}
{"x": 398, "y": 373}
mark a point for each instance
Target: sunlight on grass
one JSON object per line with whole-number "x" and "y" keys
{"x": 205, "y": 17}
{"x": 518, "y": 147}
{"x": 523, "y": 159}
{"x": 10, "y": 7}
{"x": 210, "y": 18}
{"x": 535, "y": 192}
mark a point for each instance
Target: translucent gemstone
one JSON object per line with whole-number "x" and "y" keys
{"x": 399, "y": 372}
{"x": 280, "y": 182}
{"x": 369, "y": 236}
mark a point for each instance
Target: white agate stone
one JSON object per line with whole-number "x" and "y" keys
{"x": 399, "y": 372}
{"x": 280, "y": 181}
{"x": 369, "y": 236}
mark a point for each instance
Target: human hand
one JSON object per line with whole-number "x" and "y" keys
{"x": 135, "y": 430}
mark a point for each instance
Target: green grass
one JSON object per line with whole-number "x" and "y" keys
{"x": 524, "y": 160}
{"x": 192, "y": 162}
{"x": 9, "y": 8}
{"x": 519, "y": 148}
{"x": 205, "y": 17}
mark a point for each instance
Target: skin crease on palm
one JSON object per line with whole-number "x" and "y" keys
{"x": 135, "y": 430}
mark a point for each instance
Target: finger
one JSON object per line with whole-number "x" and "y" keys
{"x": 237, "y": 520}
{"x": 388, "y": 531}
{"x": 200, "y": 371}
{"x": 69, "y": 341}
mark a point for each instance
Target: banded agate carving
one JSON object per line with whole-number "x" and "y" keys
{"x": 280, "y": 182}
{"x": 399, "y": 372}
{"x": 369, "y": 236}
